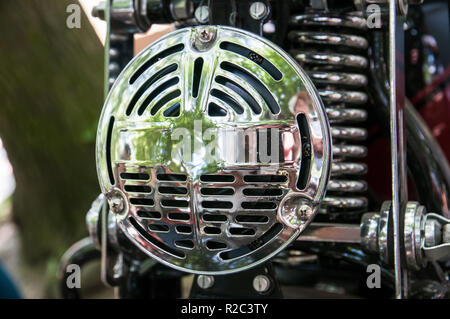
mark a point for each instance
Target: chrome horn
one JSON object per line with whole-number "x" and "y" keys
{"x": 213, "y": 150}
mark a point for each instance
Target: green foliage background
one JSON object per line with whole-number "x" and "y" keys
{"x": 51, "y": 91}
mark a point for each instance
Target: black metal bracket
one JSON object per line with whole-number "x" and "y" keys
{"x": 239, "y": 285}
{"x": 236, "y": 13}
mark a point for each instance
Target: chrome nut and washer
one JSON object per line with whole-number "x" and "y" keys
{"x": 369, "y": 232}
{"x": 413, "y": 236}
{"x": 117, "y": 202}
{"x": 374, "y": 232}
{"x": 422, "y": 234}
{"x": 375, "y": 229}
{"x": 383, "y": 231}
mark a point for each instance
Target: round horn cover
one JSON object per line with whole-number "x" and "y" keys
{"x": 213, "y": 150}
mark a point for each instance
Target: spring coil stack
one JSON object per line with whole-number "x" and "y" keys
{"x": 332, "y": 49}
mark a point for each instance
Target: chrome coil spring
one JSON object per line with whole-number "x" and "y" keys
{"x": 332, "y": 49}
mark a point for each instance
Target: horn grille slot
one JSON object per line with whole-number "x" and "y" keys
{"x": 160, "y": 74}
{"x": 160, "y": 89}
{"x": 243, "y": 93}
{"x": 138, "y": 189}
{"x": 217, "y": 178}
{"x": 135, "y": 176}
{"x": 228, "y": 100}
{"x": 148, "y": 214}
{"x": 198, "y": 66}
{"x": 217, "y": 191}
{"x": 154, "y": 59}
{"x": 255, "y": 57}
{"x": 256, "y": 83}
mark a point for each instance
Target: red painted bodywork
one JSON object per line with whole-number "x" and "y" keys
{"x": 433, "y": 104}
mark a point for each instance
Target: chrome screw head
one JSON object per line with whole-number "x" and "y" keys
{"x": 258, "y": 10}
{"x": 202, "y": 14}
{"x": 205, "y": 282}
{"x": 204, "y": 38}
{"x": 116, "y": 203}
{"x": 304, "y": 212}
{"x": 296, "y": 212}
{"x": 261, "y": 283}
{"x": 205, "y": 35}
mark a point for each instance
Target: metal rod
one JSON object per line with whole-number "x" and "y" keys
{"x": 398, "y": 154}
{"x": 335, "y": 233}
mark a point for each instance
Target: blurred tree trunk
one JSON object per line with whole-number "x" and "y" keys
{"x": 51, "y": 97}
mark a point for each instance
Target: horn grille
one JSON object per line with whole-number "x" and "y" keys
{"x": 224, "y": 210}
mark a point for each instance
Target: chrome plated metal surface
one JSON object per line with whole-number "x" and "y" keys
{"x": 333, "y": 233}
{"x": 436, "y": 244}
{"x": 369, "y": 232}
{"x": 205, "y": 281}
{"x": 93, "y": 219}
{"x": 398, "y": 142}
{"x": 122, "y": 12}
{"x": 375, "y": 232}
{"x": 413, "y": 236}
{"x": 129, "y": 16}
{"x": 202, "y": 14}
{"x": 339, "y": 76}
{"x": 446, "y": 234}
{"x": 320, "y": 19}
{"x": 258, "y": 10}
{"x": 184, "y": 139}
{"x": 433, "y": 232}
{"x": 422, "y": 236}
{"x": 181, "y": 9}
{"x": 261, "y": 283}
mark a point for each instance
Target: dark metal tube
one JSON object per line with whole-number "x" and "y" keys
{"x": 427, "y": 165}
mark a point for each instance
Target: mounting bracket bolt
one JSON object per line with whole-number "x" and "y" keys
{"x": 261, "y": 283}
{"x": 205, "y": 282}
